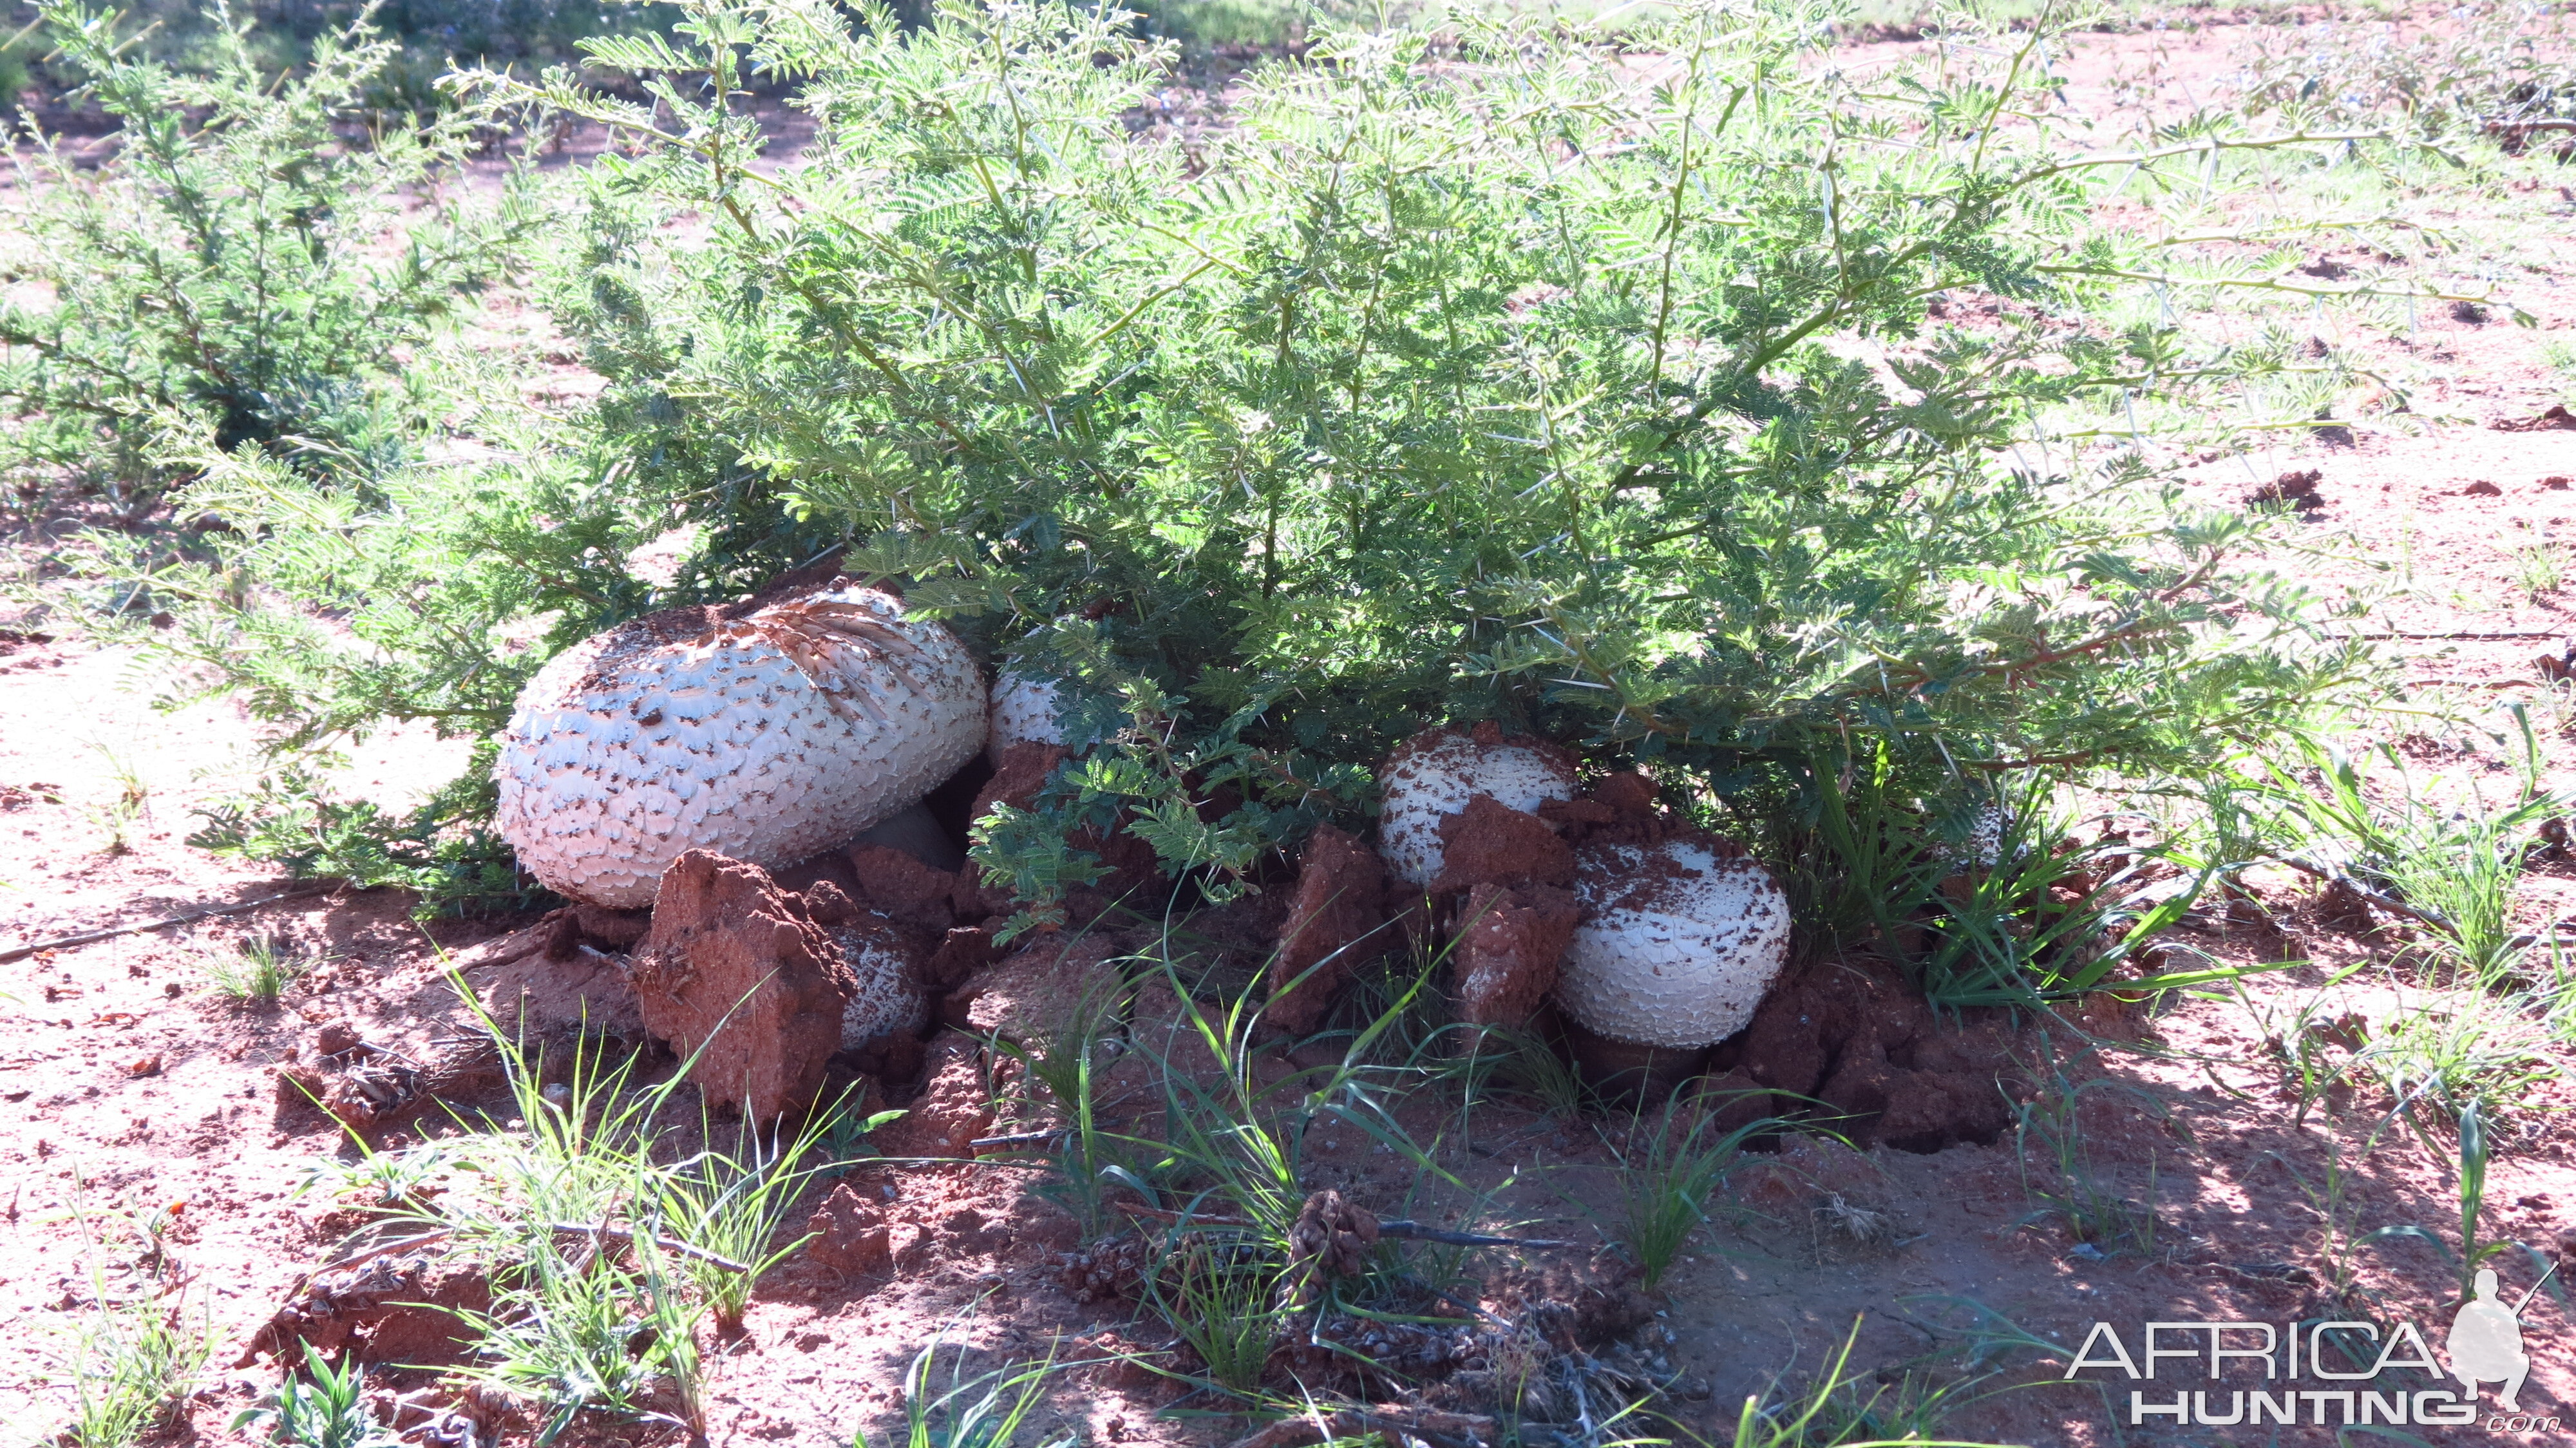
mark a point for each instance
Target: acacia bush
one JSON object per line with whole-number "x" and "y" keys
{"x": 221, "y": 264}
{"x": 1593, "y": 385}
{"x": 2497, "y": 66}
{"x": 1509, "y": 372}
{"x": 428, "y": 37}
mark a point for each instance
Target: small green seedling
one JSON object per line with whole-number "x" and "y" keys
{"x": 329, "y": 1411}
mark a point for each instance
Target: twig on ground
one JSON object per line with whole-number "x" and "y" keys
{"x": 2389, "y": 903}
{"x": 21, "y": 952}
{"x": 1398, "y": 1227}
{"x": 624, "y": 1234}
{"x": 1439, "y": 1429}
{"x": 1417, "y": 1232}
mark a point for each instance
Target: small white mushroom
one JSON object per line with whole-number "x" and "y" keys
{"x": 1982, "y": 849}
{"x": 1678, "y": 943}
{"x": 1432, "y": 776}
{"x": 766, "y": 738}
{"x": 1025, "y": 711}
{"x": 887, "y": 1001}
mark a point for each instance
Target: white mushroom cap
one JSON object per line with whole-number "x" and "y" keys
{"x": 766, "y": 738}
{"x": 1432, "y": 776}
{"x": 887, "y": 1000}
{"x": 1984, "y": 847}
{"x": 1025, "y": 709}
{"x": 1677, "y": 945}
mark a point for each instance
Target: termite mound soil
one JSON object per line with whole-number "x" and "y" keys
{"x": 1847, "y": 1042}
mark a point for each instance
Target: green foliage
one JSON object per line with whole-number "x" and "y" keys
{"x": 224, "y": 265}
{"x": 453, "y": 581}
{"x": 1843, "y": 1409}
{"x": 2304, "y": 1041}
{"x": 1200, "y": 25}
{"x": 240, "y": 303}
{"x": 606, "y": 1254}
{"x": 1068, "y": 1065}
{"x": 730, "y": 1207}
{"x": 2475, "y": 1251}
{"x": 117, "y": 816}
{"x": 222, "y": 311}
{"x": 2489, "y": 61}
{"x": 2003, "y": 934}
{"x": 1231, "y": 1133}
{"x": 2467, "y": 1047}
{"x": 2049, "y": 1127}
{"x": 577, "y": 1332}
{"x": 2540, "y": 568}
{"x": 1221, "y": 1294}
{"x": 2454, "y": 868}
{"x": 131, "y": 1368}
{"x": 2008, "y": 910}
{"x": 1498, "y": 387}
{"x": 428, "y": 35}
{"x": 985, "y": 1410}
{"x": 440, "y": 851}
{"x": 596, "y": 1304}
{"x": 328, "y": 1412}
{"x": 1669, "y": 1169}
{"x": 255, "y": 972}
{"x": 379, "y": 1179}
{"x": 1502, "y": 1061}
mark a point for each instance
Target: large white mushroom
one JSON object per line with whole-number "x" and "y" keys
{"x": 1678, "y": 943}
{"x": 765, "y": 737}
{"x": 1432, "y": 776}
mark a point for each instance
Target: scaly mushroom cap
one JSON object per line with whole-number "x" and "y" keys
{"x": 1984, "y": 847}
{"x": 766, "y": 738}
{"x": 1678, "y": 943}
{"x": 1432, "y": 776}
{"x": 887, "y": 1001}
{"x": 1024, "y": 712}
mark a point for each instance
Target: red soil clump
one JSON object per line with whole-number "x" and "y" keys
{"x": 736, "y": 975}
{"x": 1340, "y": 902}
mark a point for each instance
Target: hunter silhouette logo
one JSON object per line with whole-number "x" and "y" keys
{"x": 2485, "y": 1345}
{"x": 2326, "y": 1374}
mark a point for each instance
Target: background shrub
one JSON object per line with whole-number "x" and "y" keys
{"x": 1463, "y": 377}
{"x": 226, "y": 263}
{"x": 2491, "y": 64}
{"x": 427, "y": 36}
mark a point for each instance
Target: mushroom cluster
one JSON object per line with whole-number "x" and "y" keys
{"x": 766, "y": 734}
{"x": 1647, "y": 935}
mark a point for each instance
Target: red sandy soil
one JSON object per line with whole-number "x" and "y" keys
{"x": 127, "y": 1088}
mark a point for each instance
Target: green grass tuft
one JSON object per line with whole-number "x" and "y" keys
{"x": 255, "y": 972}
